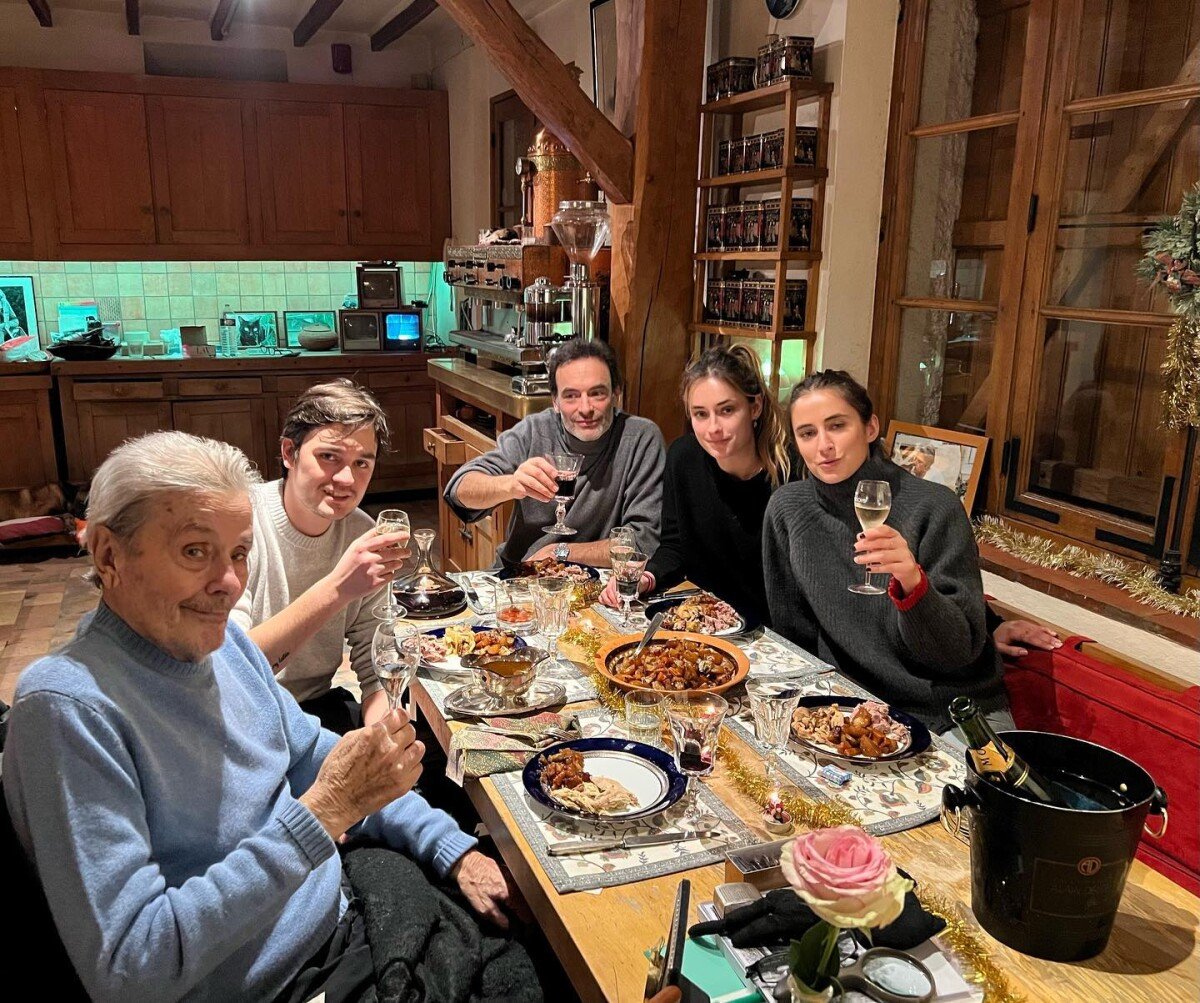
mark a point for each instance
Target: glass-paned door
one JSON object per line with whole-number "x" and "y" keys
{"x": 1120, "y": 146}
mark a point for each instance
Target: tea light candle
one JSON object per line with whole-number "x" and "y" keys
{"x": 777, "y": 820}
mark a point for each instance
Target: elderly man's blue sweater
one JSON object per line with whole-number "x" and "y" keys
{"x": 158, "y": 802}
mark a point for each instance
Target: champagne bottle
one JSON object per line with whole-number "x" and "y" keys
{"x": 992, "y": 758}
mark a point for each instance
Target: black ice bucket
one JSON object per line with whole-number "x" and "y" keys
{"x": 1046, "y": 880}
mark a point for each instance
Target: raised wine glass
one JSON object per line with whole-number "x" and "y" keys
{"x": 396, "y": 653}
{"x": 695, "y": 720}
{"x": 772, "y": 704}
{"x": 391, "y": 520}
{"x": 566, "y": 469}
{"x": 872, "y": 503}
{"x": 628, "y": 573}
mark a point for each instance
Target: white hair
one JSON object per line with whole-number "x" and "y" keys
{"x": 139, "y": 470}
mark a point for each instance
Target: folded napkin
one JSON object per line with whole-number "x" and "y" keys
{"x": 475, "y": 753}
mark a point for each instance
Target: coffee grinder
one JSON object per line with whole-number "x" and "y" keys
{"x": 583, "y": 228}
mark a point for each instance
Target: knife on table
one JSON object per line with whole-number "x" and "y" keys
{"x": 628, "y": 842}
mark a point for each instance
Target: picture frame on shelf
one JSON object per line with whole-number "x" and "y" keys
{"x": 942, "y": 455}
{"x": 604, "y": 56}
{"x": 256, "y": 329}
{"x": 295, "y": 321}
{"x": 18, "y": 312}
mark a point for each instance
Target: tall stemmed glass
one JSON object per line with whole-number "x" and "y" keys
{"x": 628, "y": 573}
{"x": 552, "y": 610}
{"x": 772, "y": 704}
{"x": 872, "y": 503}
{"x": 566, "y": 469}
{"x": 622, "y": 544}
{"x": 391, "y": 520}
{"x": 396, "y": 653}
{"x": 695, "y": 720}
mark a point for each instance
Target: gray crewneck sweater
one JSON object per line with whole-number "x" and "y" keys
{"x": 284, "y": 563}
{"x": 619, "y": 483}
{"x": 916, "y": 655}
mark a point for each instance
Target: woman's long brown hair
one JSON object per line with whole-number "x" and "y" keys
{"x": 738, "y": 366}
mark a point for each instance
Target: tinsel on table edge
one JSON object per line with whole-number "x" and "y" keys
{"x": 1172, "y": 258}
{"x": 1140, "y": 582}
{"x": 974, "y": 960}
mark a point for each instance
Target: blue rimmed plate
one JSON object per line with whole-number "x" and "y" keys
{"x": 453, "y": 664}
{"x": 919, "y": 738}
{"x": 648, "y": 773}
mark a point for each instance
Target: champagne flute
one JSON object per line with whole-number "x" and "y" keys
{"x": 391, "y": 520}
{"x": 396, "y": 653}
{"x": 566, "y": 470}
{"x": 552, "y": 609}
{"x": 872, "y": 503}
{"x": 629, "y": 576}
{"x": 695, "y": 720}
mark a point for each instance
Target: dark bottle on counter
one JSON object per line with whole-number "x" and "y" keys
{"x": 992, "y": 758}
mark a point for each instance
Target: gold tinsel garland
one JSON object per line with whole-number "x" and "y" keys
{"x": 1141, "y": 583}
{"x": 1181, "y": 374}
{"x": 974, "y": 960}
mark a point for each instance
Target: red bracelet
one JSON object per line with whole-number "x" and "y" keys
{"x": 906, "y": 602}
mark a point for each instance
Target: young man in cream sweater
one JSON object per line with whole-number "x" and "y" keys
{"x": 318, "y": 567}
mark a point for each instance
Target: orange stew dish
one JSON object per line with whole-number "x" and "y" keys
{"x": 673, "y": 665}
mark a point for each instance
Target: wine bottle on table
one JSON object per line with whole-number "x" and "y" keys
{"x": 992, "y": 758}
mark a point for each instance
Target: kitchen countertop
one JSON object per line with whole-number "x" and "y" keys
{"x": 305, "y": 361}
{"x": 488, "y": 387}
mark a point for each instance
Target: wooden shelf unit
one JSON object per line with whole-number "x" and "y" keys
{"x": 788, "y": 96}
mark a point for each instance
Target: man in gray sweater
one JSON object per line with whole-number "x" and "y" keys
{"x": 620, "y": 478}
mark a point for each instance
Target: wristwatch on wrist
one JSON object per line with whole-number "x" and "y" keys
{"x": 562, "y": 551}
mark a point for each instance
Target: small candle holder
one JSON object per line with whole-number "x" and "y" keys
{"x": 777, "y": 820}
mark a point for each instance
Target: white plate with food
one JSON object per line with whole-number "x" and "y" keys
{"x": 445, "y": 648}
{"x": 604, "y": 778}
{"x": 702, "y": 613}
{"x": 855, "y": 730}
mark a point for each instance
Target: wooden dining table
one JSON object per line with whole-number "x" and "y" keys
{"x": 600, "y": 937}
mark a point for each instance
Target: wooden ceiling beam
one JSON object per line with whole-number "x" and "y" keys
{"x": 313, "y": 21}
{"x": 409, "y": 18}
{"x": 41, "y": 10}
{"x": 220, "y": 19}
{"x": 549, "y": 90}
{"x": 133, "y": 17}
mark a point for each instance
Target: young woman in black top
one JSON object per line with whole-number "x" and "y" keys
{"x": 718, "y": 480}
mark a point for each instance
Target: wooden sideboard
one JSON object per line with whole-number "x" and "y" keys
{"x": 242, "y": 401}
{"x": 115, "y": 167}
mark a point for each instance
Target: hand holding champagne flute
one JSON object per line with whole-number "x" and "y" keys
{"x": 392, "y": 520}
{"x": 872, "y": 503}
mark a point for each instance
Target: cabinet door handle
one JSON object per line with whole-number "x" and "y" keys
{"x": 358, "y": 214}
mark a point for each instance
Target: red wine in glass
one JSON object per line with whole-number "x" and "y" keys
{"x": 566, "y": 484}
{"x": 566, "y": 469}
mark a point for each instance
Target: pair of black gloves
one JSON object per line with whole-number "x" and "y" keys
{"x": 782, "y": 915}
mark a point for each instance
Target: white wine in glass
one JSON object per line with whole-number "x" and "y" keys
{"x": 872, "y": 503}
{"x": 392, "y": 520}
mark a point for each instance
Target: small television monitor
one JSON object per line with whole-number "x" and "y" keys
{"x": 402, "y": 329}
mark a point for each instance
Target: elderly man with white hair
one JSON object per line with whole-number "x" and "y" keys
{"x": 181, "y": 812}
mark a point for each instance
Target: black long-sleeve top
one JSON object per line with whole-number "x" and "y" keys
{"x": 712, "y": 529}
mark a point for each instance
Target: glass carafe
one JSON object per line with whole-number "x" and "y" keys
{"x": 428, "y": 593}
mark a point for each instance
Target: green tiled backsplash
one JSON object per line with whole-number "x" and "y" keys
{"x": 152, "y": 295}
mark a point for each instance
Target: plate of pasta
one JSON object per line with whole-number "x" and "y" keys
{"x": 449, "y": 649}
{"x": 611, "y": 779}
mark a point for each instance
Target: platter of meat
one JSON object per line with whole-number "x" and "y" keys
{"x": 675, "y": 662}
{"x": 851, "y": 730}
{"x": 549, "y": 567}
{"x": 449, "y": 649}
{"x": 703, "y": 613}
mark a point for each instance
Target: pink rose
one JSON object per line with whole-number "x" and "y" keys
{"x": 846, "y": 877}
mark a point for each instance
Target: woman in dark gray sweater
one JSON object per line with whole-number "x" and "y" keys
{"x": 926, "y": 640}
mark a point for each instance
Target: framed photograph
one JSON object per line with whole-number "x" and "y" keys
{"x": 257, "y": 328}
{"x": 941, "y": 455}
{"x": 604, "y": 56}
{"x": 18, "y": 317}
{"x": 295, "y": 321}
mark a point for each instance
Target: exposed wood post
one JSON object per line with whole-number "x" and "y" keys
{"x": 652, "y": 275}
{"x": 41, "y": 10}
{"x": 631, "y": 16}
{"x": 549, "y": 91}
{"x": 410, "y": 17}
{"x": 314, "y": 20}
{"x": 133, "y": 17}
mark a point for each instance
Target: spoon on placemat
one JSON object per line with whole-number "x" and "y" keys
{"x": 650, "y": 631}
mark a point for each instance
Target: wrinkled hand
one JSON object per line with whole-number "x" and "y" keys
{"x": 535, "y": 479}
{"x": 1011, "y": 634}
{"x": 369, "y": 563}
{"x": 610, "y": 597}
{"x": 364, "y": 771}
{"x": 482, "y": 882}
{"x": 884, "y": 551}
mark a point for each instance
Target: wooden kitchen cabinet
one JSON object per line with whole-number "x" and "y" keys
{"x": 395, "y": 196}
{"x": 101, "y": 426}
{"x": 14, "y": 204}
{"x": 198, "y": 167}
{"x": 238, "y": 422}
{"x": 100, "y": 167}
{"x": 25, "y": 413}
{"x": 409, "y": 413}
{"x": 301, "y": 172}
